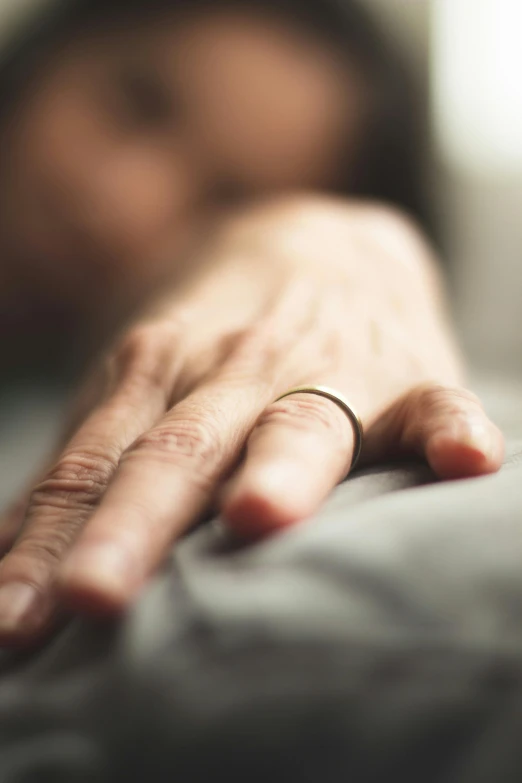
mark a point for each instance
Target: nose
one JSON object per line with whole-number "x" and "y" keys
{"x": 134, "y": 200}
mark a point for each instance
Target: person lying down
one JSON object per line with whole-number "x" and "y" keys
{"x": 217, "y": 207}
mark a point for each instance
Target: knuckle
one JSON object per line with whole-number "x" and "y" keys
{"x": 41, "y": 548}
{"x": 141, "y": 340}
{"x": 143, "y": 350}
{"x": 261, "y": 349}
{"x": 36, "y": 556}
{"x": 147, "y": 359}
{"x": 45, "y": 547}
{"x": 77, "y": 481}
{"x": 308, "y": 412}
{"x": 187, "y": 441}
{"x": 257, "y": 347}
{"x": 439, "y": 400}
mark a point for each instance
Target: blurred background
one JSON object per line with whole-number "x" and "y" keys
{"x": 468, "y": 54}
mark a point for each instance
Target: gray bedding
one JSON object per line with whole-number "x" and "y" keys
{"x": 381, "y": 640}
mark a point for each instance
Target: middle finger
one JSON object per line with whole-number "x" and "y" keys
{"x": 162, "y": 485}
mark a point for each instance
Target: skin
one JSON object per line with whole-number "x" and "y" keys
{"x": 286, "y": 289}
{"x": 132, "y": 141}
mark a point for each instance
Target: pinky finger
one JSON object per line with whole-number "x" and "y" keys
{"x": 449, "y": 427}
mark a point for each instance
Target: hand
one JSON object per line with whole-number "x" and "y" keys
{"x": 310, "y": 291}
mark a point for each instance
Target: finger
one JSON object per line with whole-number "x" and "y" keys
{"x": 11, "y": 524}
{"x": 164, "y": 482}
{"x": 300, "y": 449}
{"x": 62, "y": 503}
{"x": 299, "y": 452}
{"x": 448, "y": 426}
{"x": 13, "y": 519}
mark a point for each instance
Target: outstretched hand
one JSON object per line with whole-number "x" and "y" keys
{"x": 306, "y": 292}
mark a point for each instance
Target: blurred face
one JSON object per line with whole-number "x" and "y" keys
{"x": 131, "y": 139}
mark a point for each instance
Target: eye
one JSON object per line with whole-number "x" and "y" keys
{"x": 143, "y": 100}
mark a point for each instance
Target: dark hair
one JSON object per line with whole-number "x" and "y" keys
{"x": 389, "y": 163}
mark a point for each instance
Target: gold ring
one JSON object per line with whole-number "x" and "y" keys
{"x": 346, "y": 407}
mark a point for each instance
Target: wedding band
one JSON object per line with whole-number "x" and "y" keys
{"x": 346, "y": 407}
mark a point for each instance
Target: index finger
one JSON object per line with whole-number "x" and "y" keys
{"x": 61, "y": 504}
{"x": 163, "y": 483}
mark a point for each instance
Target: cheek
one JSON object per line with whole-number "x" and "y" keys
{"x": 74, "y": 168}
{"x": 51, "y": 136}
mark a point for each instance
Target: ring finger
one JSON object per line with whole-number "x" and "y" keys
{"x": 302, "y": 446}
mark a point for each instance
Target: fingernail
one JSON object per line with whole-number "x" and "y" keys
{"x": 105, "y": 567}
{"x": 17, "y": 602}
